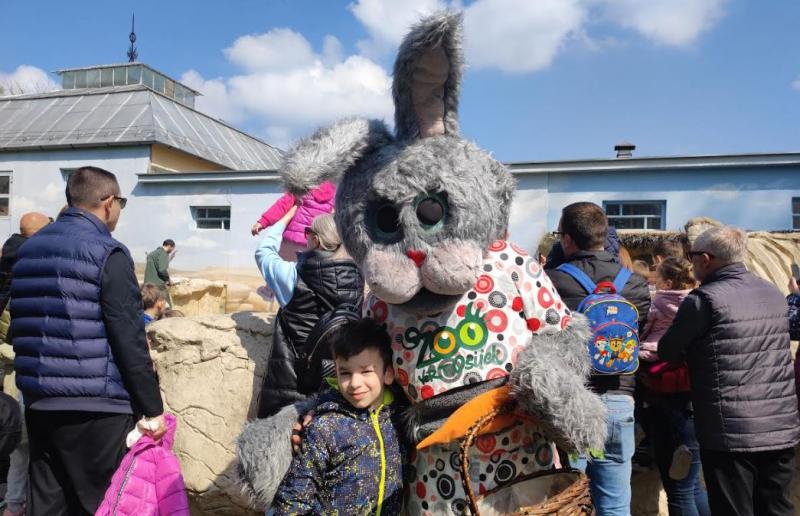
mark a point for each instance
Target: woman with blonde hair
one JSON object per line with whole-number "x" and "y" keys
{"x": 323, "y": 278}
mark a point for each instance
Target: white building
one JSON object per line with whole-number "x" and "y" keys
{"x": 203, "y": 183}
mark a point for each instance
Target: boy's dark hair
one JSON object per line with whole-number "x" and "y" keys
{"x": 152, "y": 294}
{"x": 356, "y": 336}
{"x": 168, "y": 242}
{"x": 586, "y": 223}
{"x": 87, "y": 186}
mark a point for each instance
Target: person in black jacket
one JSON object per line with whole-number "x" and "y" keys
{"x": 583, "y": 230}
{"x": 29, "y": 224}
{"x": 733, "y": 333}
{"x": 323, "y": 278}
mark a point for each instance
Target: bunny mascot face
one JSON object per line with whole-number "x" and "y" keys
{"x": 474, "y": 320}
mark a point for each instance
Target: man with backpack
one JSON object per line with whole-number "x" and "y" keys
{"x": 614, "y": 351}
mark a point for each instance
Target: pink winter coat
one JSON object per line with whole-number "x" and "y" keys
{"x": 149, "y": 481}
{"x": 318, "y": 201}
{"x": 663, "y": 309}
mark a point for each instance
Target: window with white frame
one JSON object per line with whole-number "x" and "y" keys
{"x": 795, "y": 212}
{"x": 5, "y": 193}
{"x": 636, "y": 214}
{"x": 212, "y": 217}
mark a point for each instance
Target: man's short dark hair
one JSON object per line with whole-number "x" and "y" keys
{"x": 586, "y": 223}
{"x": 357, "y": 336}
{"x": 152, "y": 294}
{"x": 168, "y": 242}
{"x": 87, "y": 186}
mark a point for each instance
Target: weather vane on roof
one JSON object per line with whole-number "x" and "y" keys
{"x": 132, "y": 54}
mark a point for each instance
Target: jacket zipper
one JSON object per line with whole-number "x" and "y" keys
{"x": 124, "y": 483}
{"x": 382, "y": 486}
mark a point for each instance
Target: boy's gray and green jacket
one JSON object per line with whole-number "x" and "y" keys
{"x": 350, "y": 462}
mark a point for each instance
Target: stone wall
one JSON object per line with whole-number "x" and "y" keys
{"x": 195, "y": 296}
{"x": 211, "y": 369}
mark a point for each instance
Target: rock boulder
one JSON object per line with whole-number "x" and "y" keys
{"x": 211, "y": 369}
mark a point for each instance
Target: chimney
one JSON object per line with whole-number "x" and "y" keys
{"x": 625, "y": 149}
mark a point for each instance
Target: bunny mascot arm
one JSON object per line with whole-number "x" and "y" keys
{"x": 423, "y": 212}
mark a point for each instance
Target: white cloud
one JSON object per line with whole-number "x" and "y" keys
{"x": 796, "y": 84}
{"x": 519, "y": 35}
{"x": 27, "y": 79}
{"x": 215, "y": 99}
{"x": 290, "y": 88}
{"x": 669, "y": 22}
{"x": 387, "y": 21}
{"x": 526, "y": 35}
{"x": 278, "y": 49}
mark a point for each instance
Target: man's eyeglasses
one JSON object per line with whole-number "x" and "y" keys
{"x": 122, "y": 201}
{"x": 692, "y": 254}
{"x": 556, "y": 233}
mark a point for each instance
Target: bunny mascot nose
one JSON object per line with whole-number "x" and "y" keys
{"x": 416, "y": 256}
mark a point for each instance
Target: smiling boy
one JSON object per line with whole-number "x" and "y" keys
{"x": 351, "y": 461}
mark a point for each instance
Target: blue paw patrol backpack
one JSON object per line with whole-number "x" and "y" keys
{"x": 614, "y": 344}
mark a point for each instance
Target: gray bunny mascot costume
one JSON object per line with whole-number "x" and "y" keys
{"x": 474, "y": 320}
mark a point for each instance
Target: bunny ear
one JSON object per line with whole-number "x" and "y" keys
{"x": 427, "y": 78}
{"x": 330, "y": 152}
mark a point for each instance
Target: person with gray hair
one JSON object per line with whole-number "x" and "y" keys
{"x": 323, "y": 278}
{"x": 733, "y": 332}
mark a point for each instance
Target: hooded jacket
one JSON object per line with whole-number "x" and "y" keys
{"x": 663, "y": 309}
{"x": 350, "y": 462}
{"x": 148, "y": 482}
{"x": 318, "y": 201}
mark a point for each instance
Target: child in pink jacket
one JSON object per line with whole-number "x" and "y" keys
{"x": 318, "y": 201}
{"x": 667, "y": 395}
{"x": 148, "y": 482}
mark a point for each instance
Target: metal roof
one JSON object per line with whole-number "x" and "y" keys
{"x": 637, "y": 164}
{"x": 126, "y": 115}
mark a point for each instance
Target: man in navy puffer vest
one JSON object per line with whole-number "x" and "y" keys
{"x": 82, "y": 361}
{"x": 733, "y": 333}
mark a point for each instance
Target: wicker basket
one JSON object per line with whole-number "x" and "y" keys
{"x": 561, "y": 492}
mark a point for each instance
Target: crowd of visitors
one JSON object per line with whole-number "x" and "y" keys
{"x": 714, "y": 393}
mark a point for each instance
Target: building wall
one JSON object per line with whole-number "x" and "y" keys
{"x": 164, "y": 158}
{"x": 154, "y": 212}
{"x": 167, "y": 210}
{"x": 751, "y": 198}
{"x": 38, "y": 183}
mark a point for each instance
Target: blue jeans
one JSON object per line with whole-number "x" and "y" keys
{"x": 673, "y": 425}
{"x": 610, "y": 477}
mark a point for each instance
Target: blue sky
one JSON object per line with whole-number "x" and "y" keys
{"x": 547, "y": 79}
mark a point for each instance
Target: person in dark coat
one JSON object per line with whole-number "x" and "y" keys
{"x": 82, "y": 361}
{"x": 733, "y": 333}
{"x": 323, "y": 278}
{"x": 583, "y": 231}
{"x": 29, "y": 224}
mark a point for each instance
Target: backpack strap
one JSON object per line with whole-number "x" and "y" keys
{"x": 579, "y": 276}
{"x": 622, "y": 278}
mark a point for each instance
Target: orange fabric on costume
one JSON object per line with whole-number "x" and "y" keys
{"x": 464, "y": 417}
